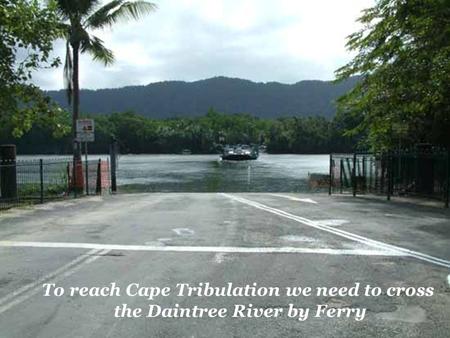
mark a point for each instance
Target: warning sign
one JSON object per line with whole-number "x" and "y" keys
{"x": 85, "y": 130}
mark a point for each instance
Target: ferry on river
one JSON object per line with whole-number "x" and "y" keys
{"x": 240, "y": 152}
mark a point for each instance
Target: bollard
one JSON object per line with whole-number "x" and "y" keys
{"x": 98, "y": 189}
{"x": 8, "y": 172}
{"x": 113, "y": 156}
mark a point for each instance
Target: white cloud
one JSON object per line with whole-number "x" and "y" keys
{"x": 261, "y": 40}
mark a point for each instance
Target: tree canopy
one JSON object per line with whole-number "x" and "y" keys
{"x": 77, "y": 20}
{"x": 206, "y": 134}
{"x": 403, "y": 55}
{"x": 27, "y": 30}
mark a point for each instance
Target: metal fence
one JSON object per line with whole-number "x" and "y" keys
{"x": 40, "y": 180}
{"x": 418, "y": 172}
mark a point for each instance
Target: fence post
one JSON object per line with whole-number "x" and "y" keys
{"x": 354, "y": 175}
{"x": 99, "y": 177}
{"x": 74, "y": 177}
{"x": 389, "y": 175}
{"x": 331, "y": 174}
{"x": 364, "y": 183}
{"x": 113, "y": 155}
{"x": 447, "y": 197}
{"x": 341, "y": 169}
{"x": 86, "y": 167}
{"x": 41, "y": 177}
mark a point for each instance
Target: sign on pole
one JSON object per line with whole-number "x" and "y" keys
{"x": 85, "y": 130}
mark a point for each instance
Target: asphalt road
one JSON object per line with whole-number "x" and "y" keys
{"x": 278, "y": 240}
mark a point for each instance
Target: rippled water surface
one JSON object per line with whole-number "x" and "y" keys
{"x": 207, "y": 173}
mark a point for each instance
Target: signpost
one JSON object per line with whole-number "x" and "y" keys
{"x": 86, "y": 133}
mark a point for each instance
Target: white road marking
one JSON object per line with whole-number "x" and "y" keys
{"x": 206, "y": 249}
{"x": 306, "y": 200}
{"x": 25, "y": 292}
{"x": 332, "y": 222}
{"x": 294, "y": 238}
{"x": 342, "y": 233}
{"x": 183, "y": 231}
{"x": 219, "y": 257}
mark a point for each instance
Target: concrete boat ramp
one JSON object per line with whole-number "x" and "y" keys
{"x": 256, "y": 239}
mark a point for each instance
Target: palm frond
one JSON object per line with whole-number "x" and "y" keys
{"x": 119, "y": 10}
{"x": 63, "y": 31}
{"x": 76, "y": 8}
{"x": 94, "y": 46}
{"x": 96, "y": 19}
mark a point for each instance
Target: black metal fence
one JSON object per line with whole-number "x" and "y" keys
{"x": 39, "y": 180}
{"x": 419, "y": 172}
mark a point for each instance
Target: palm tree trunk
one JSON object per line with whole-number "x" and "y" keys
{"x": 75, "y": 99}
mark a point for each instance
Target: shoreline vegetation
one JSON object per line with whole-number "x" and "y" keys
{"x": 137, "y": 134}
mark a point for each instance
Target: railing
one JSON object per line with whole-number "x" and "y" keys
{"x": 40, "y": 180}
{"x": 424, "y": 173}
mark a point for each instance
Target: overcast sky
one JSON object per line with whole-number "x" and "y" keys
{"x": 260, "y": 40}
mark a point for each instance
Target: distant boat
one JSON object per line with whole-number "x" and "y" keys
{"x": 239, "y": 152}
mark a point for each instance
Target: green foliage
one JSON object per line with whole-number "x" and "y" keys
{"x": 205, "y": 134}
{"x": 403, "y": 55}
{"x": 27, "y": 31}
{"x": 78, "y": 18}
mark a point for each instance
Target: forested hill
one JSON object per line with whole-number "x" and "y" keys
{"x": 228, "y": 95}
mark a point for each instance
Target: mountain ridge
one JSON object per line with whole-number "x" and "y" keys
{"x": 166, "y": 99}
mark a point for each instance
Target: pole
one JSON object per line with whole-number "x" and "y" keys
{"x": 447, "y": 197}
{"x": 341, "y": 172}
{"x": 99, "y": 177}
{"x": 389, "y": 174}
{"x": 331, "y": 174}
{"x": 113, "y": 155}
{"x": 86, "y": 168}
{"x": 41, "y": 176}
{"x": 364, "y": 173}
{"x": 354, "y": 175}
{"x": 74, "y": 171}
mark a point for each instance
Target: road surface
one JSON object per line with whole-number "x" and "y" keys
{"x": 260, "y": 239}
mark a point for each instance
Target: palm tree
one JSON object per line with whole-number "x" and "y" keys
{"x": 78, "y": 18}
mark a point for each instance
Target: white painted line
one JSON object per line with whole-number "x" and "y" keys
{"x": 292, "y": 198}
{"x": 206, "y": 249}
{"x": 50, "y": 275}
{"x": 219, "y": 257}
{"x": 332, "y": 222}
{"x": 183, "y": 231}
{"x": 22, "y": 294}
{"x": 342, "y": 233}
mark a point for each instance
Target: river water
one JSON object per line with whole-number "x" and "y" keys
{"x": 207, "y": 173}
